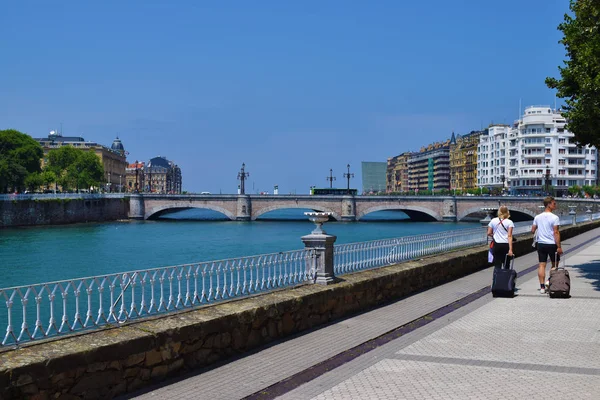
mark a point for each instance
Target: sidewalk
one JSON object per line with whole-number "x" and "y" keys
{"x": 527, "y": 347}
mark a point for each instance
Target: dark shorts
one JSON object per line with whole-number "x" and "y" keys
{"x": 545, "y": 250}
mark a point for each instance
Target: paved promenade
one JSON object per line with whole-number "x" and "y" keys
{"x": 452, "y": 342}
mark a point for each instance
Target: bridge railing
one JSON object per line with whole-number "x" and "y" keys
{"x": 50, "y": 309}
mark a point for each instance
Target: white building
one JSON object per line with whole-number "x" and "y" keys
{"x": 533, "y": 155}
{"x": 492, "y": 157}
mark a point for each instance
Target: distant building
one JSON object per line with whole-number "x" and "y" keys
{"x": 463, "y": 160}
{"x": 535, "y": 155}
{"x": 374, "y": 176}
{"x": 112, "y": 159}
{"x": 397, "y": 173}
{"x": 162, "y": 176}
{"x": 429, "y": 169}
{"x": 134, "y": 180}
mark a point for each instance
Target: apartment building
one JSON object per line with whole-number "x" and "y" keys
{"x": 429, "y": 169}
{"x": 397, "y": 173}
{"x": 535, "y": 155}
{"x": 463, "y": 160}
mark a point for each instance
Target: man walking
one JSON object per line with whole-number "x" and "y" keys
{"x": 548, "y": 239}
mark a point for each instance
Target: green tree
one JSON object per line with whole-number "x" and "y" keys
{"x": 580, "y": 77}
{"x": 34, "y": 181}
{"x": 48, "y": 178}
{"x": 86, "y": 171}
{"x": 74, "y": 168}
{"x": 20, "y": 156}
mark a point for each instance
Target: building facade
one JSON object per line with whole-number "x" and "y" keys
{"x": 397, "y": 173}
{"x": 463, "y": 160}
{"x": 134, "y": 177}
{"x": 429, "y": 169}
{"x": 374, "y": 177}
{"x": 162, "y": 176}
{"x": 535, "y": 155}
{"x": 112, "y": 159}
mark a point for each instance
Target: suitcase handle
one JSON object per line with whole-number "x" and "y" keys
{"x": 507, "y": 262}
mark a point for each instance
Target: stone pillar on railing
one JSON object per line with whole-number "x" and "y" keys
{"x": 137, "y": 209}
{"x": 573, "y": 214}
{"x": 322, "y": 245}
{"x": 588, "y": 211}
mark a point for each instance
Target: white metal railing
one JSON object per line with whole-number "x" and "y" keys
{"x": 376, "y": 253}
{"x": 50, "y": 309}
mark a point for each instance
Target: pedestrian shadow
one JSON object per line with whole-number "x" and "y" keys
{"x": 589, "y": 271}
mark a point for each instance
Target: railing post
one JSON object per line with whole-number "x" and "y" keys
{"x": 573, "y": 213}
{"x": 322, "y": 245}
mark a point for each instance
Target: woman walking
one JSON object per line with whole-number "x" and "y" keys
{"x": 500, "y": 229}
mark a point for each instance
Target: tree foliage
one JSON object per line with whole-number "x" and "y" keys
{"x": 20, "y": 156}
{"x": 580, "y": 77}
{"x": 74, "y": 168}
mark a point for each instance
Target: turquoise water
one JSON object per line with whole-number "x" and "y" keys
{"x": 45, "y": 254}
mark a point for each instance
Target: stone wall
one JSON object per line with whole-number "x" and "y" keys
{"x": 114, "y": 361}
{"x": 55, "y": 211}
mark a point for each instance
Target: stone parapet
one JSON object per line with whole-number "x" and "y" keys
{"x": 56, "y": 211}
{"x": 115, "y": 361}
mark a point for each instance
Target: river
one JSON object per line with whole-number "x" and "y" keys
{"x": 44, "y": 254}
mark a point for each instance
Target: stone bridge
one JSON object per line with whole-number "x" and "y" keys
{"x": 350, "y": 208}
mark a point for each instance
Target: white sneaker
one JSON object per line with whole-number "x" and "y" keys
{"x": 542, "y": 291}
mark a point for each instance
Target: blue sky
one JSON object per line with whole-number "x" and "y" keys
{"x": 290, "y": 88}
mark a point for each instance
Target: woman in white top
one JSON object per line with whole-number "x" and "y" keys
{"x": 500, "y": 229}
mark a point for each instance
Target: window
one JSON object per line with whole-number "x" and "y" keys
{"x": 547, "y": 130}
{"x": 561, "y": 151}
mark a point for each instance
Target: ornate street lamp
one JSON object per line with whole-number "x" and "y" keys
{"x": 348, "y": 176}
{"x": 242, "y": 175}
{"x": 136, "y": 176}
{"x": 331, "y": 178}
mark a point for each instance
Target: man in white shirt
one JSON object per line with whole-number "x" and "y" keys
{"x": 548, "y": 239}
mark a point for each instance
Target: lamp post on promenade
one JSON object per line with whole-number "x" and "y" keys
{"x": 502, "y": 178}
{"x": 108, "y": 183}
{"x": 348, "y": 176}
{"x": 242, "y": 175}
{"x": 330, "y": 178}
{"x": 547, "y": 181}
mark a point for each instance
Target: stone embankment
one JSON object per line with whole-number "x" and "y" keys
{"x": 115, "y": 361}
{"x": 57, "y": 211}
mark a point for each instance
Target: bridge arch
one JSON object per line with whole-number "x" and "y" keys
{"x": 162, "y": 209}
{"x": 472, "y": 210}
{"x": 411, "y": 211}
{"x": 264, "y": 210}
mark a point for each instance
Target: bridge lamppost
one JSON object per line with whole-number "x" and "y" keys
{"x": 136, "y": 176}
{"x": 242, "y": 175}
{"x": 348, "y": 176}
{"x": 331, "y": 178}
{"x": 502, "y": 178}
{"x": 150, "y": 178}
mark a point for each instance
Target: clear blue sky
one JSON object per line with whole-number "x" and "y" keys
{"x": 290, "y": 88}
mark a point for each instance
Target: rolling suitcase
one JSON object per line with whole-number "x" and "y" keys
{"x": 559, "y": 283}
{"x": 504, "y": 279}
